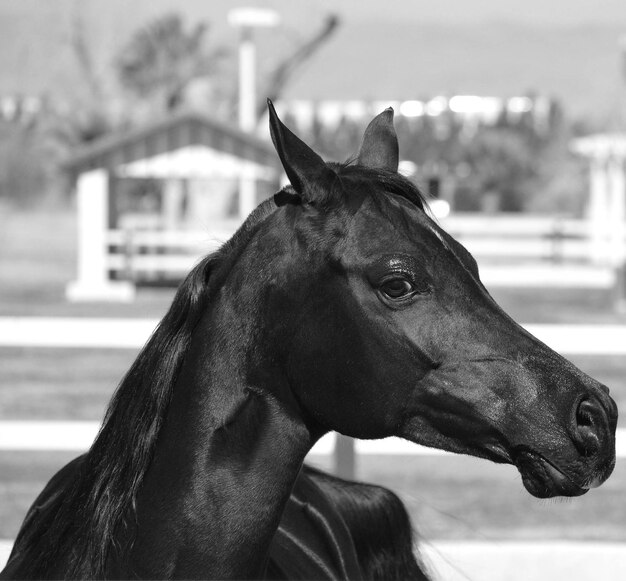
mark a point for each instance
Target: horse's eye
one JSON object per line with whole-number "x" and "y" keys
{"x": 396, "y": 288}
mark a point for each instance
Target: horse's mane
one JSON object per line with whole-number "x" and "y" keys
{"x": 81, "y": 530}
{"x": 371, "y": 180}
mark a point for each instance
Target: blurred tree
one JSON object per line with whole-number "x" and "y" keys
{"x": 32, "y": 150}
{"x": 23, "y": 167}
{"x": 513, "y": 165}
{"x": 282, "y": 73}
{"x": 163, "y": 58}
{"x": 503, "y": 167}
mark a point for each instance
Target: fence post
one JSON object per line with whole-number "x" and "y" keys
{"x": 129, "y": 255}
{"x": 557, "y": 238}
{"x": 93, "y": 282}
{"x": 345, "y": 457}
{"x": 620, "y": 288}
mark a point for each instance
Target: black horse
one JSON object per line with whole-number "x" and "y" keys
{"x": 338, "y": 305}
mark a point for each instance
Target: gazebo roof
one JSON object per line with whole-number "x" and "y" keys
{"x": 168, "y": 135}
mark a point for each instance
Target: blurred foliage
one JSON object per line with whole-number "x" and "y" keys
{"x": 518, "y": 163}
{"x": 277, "y": 80}
{"x": 23, "y": 167}
{"x": 32, "y": 152}
{"x": 156, "y": 67}
{"x": 515, "y": 164}
{"x": 162, "y": 59}
{"x": 502, "y": 165}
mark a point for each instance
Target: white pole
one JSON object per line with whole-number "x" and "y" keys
{"x": 92, "y": 282}
{"x": 598, "y": 210}
{"x": 617, "y": 228}
{"x": 173, "y": 192}
{"x": 93, "y": 209}
{"x": 247, "y": 80}
{"x": 247, "y": 19}
{"x": 617, "y": 210}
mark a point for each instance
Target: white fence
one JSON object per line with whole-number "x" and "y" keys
{"x": 133, "y": 333}
{"x": 451, "y": 560}
{"x": 137, "y": 253}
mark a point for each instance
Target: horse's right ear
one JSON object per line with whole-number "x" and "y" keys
{"x": 379, "y": 148}
{"x": 309, "y": 175}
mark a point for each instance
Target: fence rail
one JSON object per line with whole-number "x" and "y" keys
{"x": 124, "y": 333}
{"x": 134, "y": 253}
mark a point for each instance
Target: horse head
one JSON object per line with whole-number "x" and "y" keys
{"x": 386, "y": 329}
{"x": 338, "y": 305}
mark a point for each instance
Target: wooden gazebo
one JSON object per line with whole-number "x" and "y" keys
{"x": 179, "y": 152}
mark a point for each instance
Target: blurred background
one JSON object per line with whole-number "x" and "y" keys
{"x": 133, "y": 140}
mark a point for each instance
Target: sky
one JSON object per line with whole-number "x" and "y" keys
{"x": 383, "y": 50}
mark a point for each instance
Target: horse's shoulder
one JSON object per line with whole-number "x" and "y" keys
{"x": 338, "y": 529}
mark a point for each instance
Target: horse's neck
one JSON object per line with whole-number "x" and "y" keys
{"x": 227, "y": 457}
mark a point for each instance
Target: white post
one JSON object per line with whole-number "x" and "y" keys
{"x": 172, "y": 203}
{"x": 247, "y": 80}
{"x": 92, "y": 283}
{"x": 345, "y": 458}
{"x": 617, "y": 208}
{"x": 247, "y": 19}
{"x": 598, "y": 211}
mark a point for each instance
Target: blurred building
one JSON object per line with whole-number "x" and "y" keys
{"x": 433, "y": 133}
{"x": 469, "y": 110}
{"x": 151, "y": 200}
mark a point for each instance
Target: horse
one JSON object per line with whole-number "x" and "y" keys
{"x": 339, "y": 305}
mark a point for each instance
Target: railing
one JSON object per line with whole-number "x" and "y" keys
{"x": 522, "y": 236}
{"x": 137, "y": 254}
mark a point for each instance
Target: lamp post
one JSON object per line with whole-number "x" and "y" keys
{"x": 246, "y": 20}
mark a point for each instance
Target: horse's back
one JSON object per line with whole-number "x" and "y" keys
{"x": 330, "y": 529}
{"x": 31, "y": 528}
{"x": 336, "y": 529}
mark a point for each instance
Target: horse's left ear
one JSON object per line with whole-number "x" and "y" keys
{"x": 308, "y": 173}
{"x": 379, "y": 148}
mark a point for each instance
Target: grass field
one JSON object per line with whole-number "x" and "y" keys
{"x": 448, "y": 497}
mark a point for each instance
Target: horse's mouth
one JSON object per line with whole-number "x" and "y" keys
{"x": 543, "y": 479}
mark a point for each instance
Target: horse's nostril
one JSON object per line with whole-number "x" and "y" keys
{"x": 584, "y": 413}
{"x": 588, "y": 417}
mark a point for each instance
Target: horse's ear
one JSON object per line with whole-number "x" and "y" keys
{"x": 308, "y": 173}
{"x": 379, "y": 148}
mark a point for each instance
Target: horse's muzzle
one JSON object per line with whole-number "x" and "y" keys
{"x": 592, "y": 432}
{"x": 542, "y": 478}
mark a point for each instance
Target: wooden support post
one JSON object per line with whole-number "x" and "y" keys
{"x": 345, "y": 457}
{"x": 620, "y": 288}
{"x": 598, "y": 211}
{"x": 618, "y": 228}
{"x": 173, "y": 194}
{"x": 92, "y": 282}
